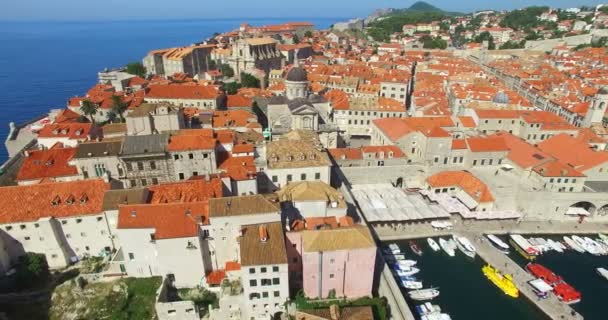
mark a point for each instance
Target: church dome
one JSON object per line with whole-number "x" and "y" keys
{"x": 501, "y": 98}
{"x": 297, "y": 74}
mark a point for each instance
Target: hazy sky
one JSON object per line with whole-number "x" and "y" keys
{"x": 175, "y": 9}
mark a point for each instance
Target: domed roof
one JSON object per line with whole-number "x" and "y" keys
{"x": 297, "y": 74}
{"x": 501, "y": 98}
{"x": 603, "y": 90}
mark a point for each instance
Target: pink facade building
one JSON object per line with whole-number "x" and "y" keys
{"x": 337, "y": 260}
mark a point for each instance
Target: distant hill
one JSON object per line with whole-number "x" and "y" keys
{"x": 422, "y": 6}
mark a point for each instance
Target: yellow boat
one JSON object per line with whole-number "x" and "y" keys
{"x": 503, "y": 282}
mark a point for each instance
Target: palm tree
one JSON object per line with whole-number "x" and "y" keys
{"x": 119, "y": 107}
{"x": 89, "y": 109}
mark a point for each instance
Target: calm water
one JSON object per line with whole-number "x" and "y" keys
{"x": 465, "y": 293}
{"x": 42, "y": 64}
{"x": 579, "y": 271}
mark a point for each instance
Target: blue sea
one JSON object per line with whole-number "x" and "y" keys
{"x": 42, "y": 64}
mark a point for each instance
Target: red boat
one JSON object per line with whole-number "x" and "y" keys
{"x": 567, "y": 293}
{"x": 540, "y": 272}
{"x": 415, "y": 248}
{"x": 563, "y": 291}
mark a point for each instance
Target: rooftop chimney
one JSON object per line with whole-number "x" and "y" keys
{"x": 263, "y": 233}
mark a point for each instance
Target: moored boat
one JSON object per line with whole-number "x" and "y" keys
{"x": 414, "y": 285}
{"x": 407, "y": 263}
{"x": 447, "y": 248}
{"x": 567, "y": 293}
{"x": 415, "y": 248}
{"x": 424, "y": 294}
{"x": 405, "y": 271}
{"x": 541, "y": 272}
{"x": 585, "y": 245}
{"x": 433, "y": 244}
{"x": 524, "y": 247}
{"x": 573, "y": 245}
{"x": 555, "y": 245}
{"x": 394, "y": 248}
{"x": 602, "y": 272}
{"x": 498, "y": 243}
{"x": 465, "y": 246}
{"x": 503, "y": 282}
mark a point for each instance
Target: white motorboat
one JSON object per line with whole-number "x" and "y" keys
{"x": 602, "y": 272}
{"x": 447, "y": 247}
{"x": 544, "y": 245}
{"x": 555, "y": 245}
{"x": 406, "y": 271}
{"x": 415, "y": 285}
{"x": 572, "y": 244}
{"x": 523, "y": 246}
{"x": 424, "y": 294}
{"x": 394, "y": 248}
{"x": 433, "y": 244}
{"x": 407, "y": 263}
{"x": 585, "y": 245}
{"x": 465, "y": 246}
{"x": 597, "y": 247}
{"x": 498, "y": 243}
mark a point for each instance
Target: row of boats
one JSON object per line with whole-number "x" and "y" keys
{"x": 405, "y": 270}
{"x": 533, "y": 247}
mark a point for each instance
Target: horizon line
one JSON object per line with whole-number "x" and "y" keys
{"x": 243, "y": 19}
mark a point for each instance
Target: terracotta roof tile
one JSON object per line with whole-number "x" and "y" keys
{"x": 476, "y": 188}
{"x": 32, "y": 202}
{"x": 169, "y": 220}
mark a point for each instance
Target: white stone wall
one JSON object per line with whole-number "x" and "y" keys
{"x": 192, "y": 163}
{"x": 263, "y": 301}
{"x": 280, "y": 177}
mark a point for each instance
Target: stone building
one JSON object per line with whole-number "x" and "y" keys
{"x": 199, "y": 96}
{"x": 151, "y": 118}
{"x": 265, "y": 272}
{"x": 255, "y": 53}
{"x": 64, "y": 221}
{"x": 289, "y": 161}
{"x": 192, "y": 60}
{"x": 98, "y": 159}
{"x": 145, "y": 160}
{"x": 298, "y": 109}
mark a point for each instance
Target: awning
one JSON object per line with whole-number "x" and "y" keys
{"x": 466, "y": 199}
{"x": 540, "y": 285}
{"x": 577, "y": 211}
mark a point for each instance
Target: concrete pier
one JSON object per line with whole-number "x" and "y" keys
{"x": 474, "y": 230}
{"x": 551, "y": 306}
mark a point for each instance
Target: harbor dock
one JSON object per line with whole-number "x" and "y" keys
{"x": 551, "y": 306}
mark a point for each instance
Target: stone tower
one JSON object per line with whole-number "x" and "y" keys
{"x": 597, "y": 109}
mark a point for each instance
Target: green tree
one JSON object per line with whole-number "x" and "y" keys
{"x": 249, "y": 81}
{"x": 231, "y": 87}
{"x": 524, "y": 18}
{"x": 32, "y": 269}
{"x": 513, "y": 45}
{"x": 226, "y": 70}
{"x": 433, "y": 42}
{"x": 89, "y": 109}
{"x": 308, "y": 34}
{"x": 136, "y": 68}
{"x": 119, "y": 107}
{"x": 485, "y": 36}
{"x": 296, "y": 39}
